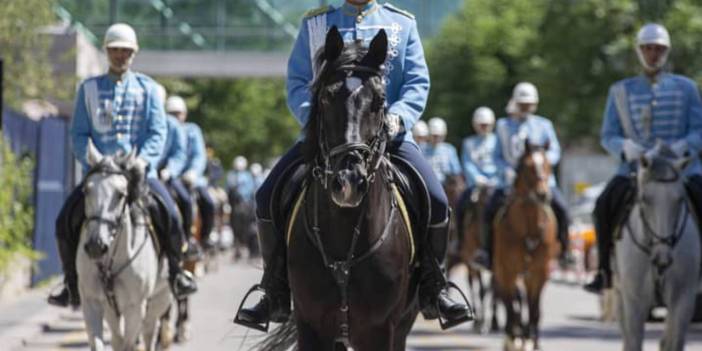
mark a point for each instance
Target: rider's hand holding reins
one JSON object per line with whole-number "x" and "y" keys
{"x": 632, "y": 151}
{"x": 392, "y": 123}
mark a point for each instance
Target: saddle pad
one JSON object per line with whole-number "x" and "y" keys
{"x": 400, "y": 203}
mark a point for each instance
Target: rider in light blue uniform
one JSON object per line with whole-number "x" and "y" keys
{"x": 193, "y": 174}
{"x": 117, "y": 112}
{"x": 442, "y": 156}
{"x": 407, "y": 86}
{"x": 640, "y": 110}
{"x": 240, "y": 182}
{"x": 480, "y": 167}
{"x": 512, "y": 134}
{"x": 173, "y": 163}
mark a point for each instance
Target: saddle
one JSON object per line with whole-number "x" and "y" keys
{"x": 402, "y": 174}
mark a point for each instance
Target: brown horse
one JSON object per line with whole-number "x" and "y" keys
{"x": 524, "y": 244}
{"x": 469, "y": 242}
{"x": 454, "y": 186}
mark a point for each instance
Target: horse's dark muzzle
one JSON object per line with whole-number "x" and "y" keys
{"x": 95, "y": 249}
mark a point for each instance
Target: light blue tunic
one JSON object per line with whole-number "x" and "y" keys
{"x": 443, "y": 160}
{"x": 196, "y": 153}
{"x": 119, "y": 116}
{"x": 406, "y": 73}
{"x": 511, "y": 134}
{"x": 175, "y": 151}
{"x": 478, "y": 158}
{"x": 669, "y": 110}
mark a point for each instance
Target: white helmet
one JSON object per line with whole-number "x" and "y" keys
{"x": 161, "y": 92}
{"x": 525, "y": 93}
{"x": 483, "y": 115}
{"x": 437, "y": 126}
{"x": 175, "y": 104}
{"x": 256, "y": 169}
{"x": 240, "y": 163}
{"x": 121, "y": 35}
{"x": 652, "y": 33}
{"x": 420, "y": 129}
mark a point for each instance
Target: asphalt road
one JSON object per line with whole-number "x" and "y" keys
{"x": 571, "y": 321}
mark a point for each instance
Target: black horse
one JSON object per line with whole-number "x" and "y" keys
{"x": 350, "y": 248}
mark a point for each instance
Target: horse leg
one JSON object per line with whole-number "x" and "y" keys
{"x": 507, "y": 294}
{"x": 93, "y": 315}
{"x": 165, "y": 335}
{"x": 308, "y": 339}
{"x": 380, "y": 338}
{"x": 477, "y": 324}
{"x": 632, "y": 316}
{"x": 182, "y": 321}
{"x": 155, "y": 308}
{"x": 534, "y": 290}
{"x": 494, "y": 323}
{"x": 133, "y": 321}
{"x": 680, "y": 312}
{"x": 115, "y": 325}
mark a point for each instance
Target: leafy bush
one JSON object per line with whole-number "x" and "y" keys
{"x": 16, "y": 211}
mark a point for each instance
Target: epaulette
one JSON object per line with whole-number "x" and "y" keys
{"x": 392, "y": 8}
{"x": 318, "y": 11}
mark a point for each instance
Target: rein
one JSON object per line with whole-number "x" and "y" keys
{"x": 108, "y": 275}
{"x": 371, "y": 155}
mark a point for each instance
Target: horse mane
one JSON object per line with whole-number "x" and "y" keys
{"x": 661, "y": 163}
{"x": 352, "y": 53}
{"x": 123, "y": 163}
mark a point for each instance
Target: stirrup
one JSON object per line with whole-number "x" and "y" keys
{"x": 446, "y": 324}
{"x": 237, "y": 320}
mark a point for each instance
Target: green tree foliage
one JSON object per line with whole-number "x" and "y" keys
{"x": 240, "y": 117}
{"x": 572, "y": 50}
{"x": 16, "y": 213}
{"x": 24, "y": 50}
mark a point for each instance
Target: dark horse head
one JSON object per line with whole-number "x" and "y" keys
{"x": 345, "y": 138}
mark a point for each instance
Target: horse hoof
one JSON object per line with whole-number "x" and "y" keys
{"x": 166, "y": 337}
{"x": 528, "y": 345}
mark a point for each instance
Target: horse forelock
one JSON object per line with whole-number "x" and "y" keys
{"x": 352, "y": 54}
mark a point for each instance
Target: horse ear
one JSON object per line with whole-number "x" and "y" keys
{"x": 93, "y": 155}
{"x": 527, "y": 146}
{"x": 547, "y": 145}
{"x": 681, "y": 163}
{"x": 378, "y": 50}
{"x": 645, "y": 161}
{"x": 333, "y": 45}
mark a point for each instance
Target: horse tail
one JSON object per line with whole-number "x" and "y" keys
{"x": 282, "y": 337}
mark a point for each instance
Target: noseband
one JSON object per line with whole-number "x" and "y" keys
{"x": 370, "y": 154}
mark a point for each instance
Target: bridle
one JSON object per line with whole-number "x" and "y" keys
{"x": 107, "y": 273}
{"x": 654, "y": 238}
{"x": 371, "y": 154}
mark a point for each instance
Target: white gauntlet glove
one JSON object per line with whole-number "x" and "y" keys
{"x": 392, "y": 123}
{"x": 632, "y": 150}
{"x": 680, "y": 148}
{"x": 164, "y": 174}
{"x": 189, "y": 178}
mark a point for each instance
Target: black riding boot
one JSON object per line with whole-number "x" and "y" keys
{"x": 68, "y": 296}
{"x": 434, "y": 299}
{"x": 603, "y": 277}
{"x": 171, "y": 240}
{"x": 274, "y": 306}
{"x": 611, "y": 209}
{"x": 68, "y": 226}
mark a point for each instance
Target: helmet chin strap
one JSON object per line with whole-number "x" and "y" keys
{"x": 652, "y": 68}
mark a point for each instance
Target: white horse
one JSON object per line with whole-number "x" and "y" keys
{"x": 120, "y": 276}
{"x": 658, "y": 256}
